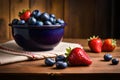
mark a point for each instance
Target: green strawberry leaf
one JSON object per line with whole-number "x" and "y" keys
{"x": 93, "y": 37}
{"x": 114, "y": 42}
{"x": 68, "y": 50}
{"x": 22, "y": 12}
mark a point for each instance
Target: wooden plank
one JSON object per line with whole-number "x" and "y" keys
{"x": 38, "y": 4}
{"x": 79, "y": 16}
{"x": 57, "y": 7}
{"x": 16, "y": 6}
{"x": 103, "y": 18}
{"x": 96, "y": 69}
{"x": 67, "y": 18}
{"x": 83, "y": 17}
{"x": 4, "y": 19}
{"x": 115, "y": 19}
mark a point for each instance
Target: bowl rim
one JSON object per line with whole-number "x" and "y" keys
{"x": 35, "y": 26}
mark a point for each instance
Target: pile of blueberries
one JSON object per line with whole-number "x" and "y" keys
{"x": 59, "y": 61}
{"x": 39, "y": 19}
{"x": 108, "y": 57}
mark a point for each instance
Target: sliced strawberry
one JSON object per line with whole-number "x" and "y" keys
{"x": 109, "y": 45}
{"x": 78, "y": 56}
{"x": 95, "y": 44}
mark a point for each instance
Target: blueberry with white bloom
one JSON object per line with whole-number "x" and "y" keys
{"x": 49, "y": 61}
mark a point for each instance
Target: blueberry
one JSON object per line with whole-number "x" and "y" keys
{"x": 60, "y": 58}
{"x": 115, "y": 61}
{"x": 47, "y": 23}
{"x": 44, "y": 16}
{"x": 57, "y": 24}
{"x": 52, "y": 20}
{"x": 36, "y": 14}
{"x": 39, "y": 23}
{"x": 61, "y": 65}
{"x": 52, "y": 15}
{"x": 60, "y": 21}
{"x": 49, "y": 61}
{"x": 107, "y": 57}
{"x": 15, "y": 21}
{"x": 32, "y": 21}
{"x": 21, "y": 22}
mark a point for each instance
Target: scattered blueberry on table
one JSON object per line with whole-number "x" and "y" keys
{"x": 60, "y": 58}
{"x": 115, "y": 61}
{"x": 59, "y": 61}
{"x": 61, "y": 65}
{"x": 49, "y": 61}
{"x": 107, "y": 57}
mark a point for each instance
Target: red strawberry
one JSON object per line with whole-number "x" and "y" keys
{"x": 95, "y": 44}
{"x": 25, "y": 14}
{"x": 109, "y": 45}
{"x": 78, "y": 56}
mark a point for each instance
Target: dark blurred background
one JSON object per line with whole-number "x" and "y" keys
{"x": 84, "y": 18}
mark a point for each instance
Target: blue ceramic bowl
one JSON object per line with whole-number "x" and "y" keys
{"x": 36, "y": 38}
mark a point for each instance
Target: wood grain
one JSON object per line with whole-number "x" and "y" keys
{"x": 80, "y": 15}
{"x": 99, "y": 69}
{"x": 4, "y": 19}
{"x": 38, "y": 4}
{"x": 103, "y": 18}
{"x": 83, "y": 17}
{"x": 57, "y": 7}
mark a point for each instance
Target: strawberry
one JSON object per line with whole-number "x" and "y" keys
{"x": 109, "y": 45}
{"x": 77, "y": 56}
{"x": 95, "y": 44}
{"x": 25, "y": 14}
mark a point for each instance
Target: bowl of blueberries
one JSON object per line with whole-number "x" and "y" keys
{"x": 36, "y": 31}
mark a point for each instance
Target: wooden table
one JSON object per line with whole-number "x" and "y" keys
{"x": 36, "y": 70}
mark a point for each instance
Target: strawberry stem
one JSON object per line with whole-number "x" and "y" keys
{"x": 93, "y": 37}
{"x": 113, "y": 42}
{"x": 22, "y": 12}
{"x": 68, "y": 50}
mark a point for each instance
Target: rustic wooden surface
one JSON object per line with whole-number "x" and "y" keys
{"x": 4, "y": 19}
{"x": 83, "y": 17}
{"x": 35, "y": 70}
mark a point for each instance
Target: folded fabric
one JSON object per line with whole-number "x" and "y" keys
{"x": 10, "y": 52}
